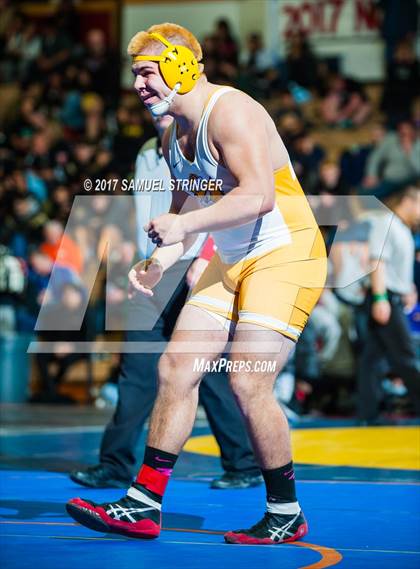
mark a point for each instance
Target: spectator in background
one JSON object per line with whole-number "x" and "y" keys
{"x": 291, "y": 125}
{"x": 334, "y": 211}
{"x": 12, "y": 284}
{"x": 350, "y": 265}
{"x": 83, "y": 159}
{"x": 306, "y": 156}
{"x": 349, "y": 258}
{"x": 259, "y": 67}
{"x": 226, "y": 46}
{"x": 287, "y": 105}
{"x": 54, "y": 91}
{"x": 67, "y": 310}
{"x": 94, "y": 122}
{"x": 394, "y": 161}
{"x": 417, "y": 261}
{"x": 225, "y": 52}
{"x": 307, "y": 367}
{"x": 39, "y": 164}
{"x": 353, "y": 160}
{"x": 10, "y": 53}
{"x": 398, "y": 20}
{"x": 23, "y": 47}
{"x": 325, "y": 325}
{"x": 103, "y": 66}
{"x": 31, "y": 118}
{"x": 210, "y": 57}
{"x": 392, "y": 290}
{"x": 415, "y": 114}
{"x": 23, "y": 225}
{"x": 39, "y": 269}
{"x": 301, "y": 62}
{"x": 131, "y": 134}
{"x": 345, "y": 104}
{"x": 70, "y": 109}
{"x": 316, "y": 348}
{"x": 55, "y": 49}
{"x": 67, "y": 19}
{"x": 330, "y": 180}
{"x": 59, "y": 204}
{"x": 295, "y": 381}
{"x": 7, "y": 16}
{"x": 61, "y": 248}
{"x": 402, "y": 81}
{"x": 116, "y": 285}
{"x": 257, "y": 59}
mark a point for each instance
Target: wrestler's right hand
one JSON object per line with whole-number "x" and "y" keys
{"x": 144, "y": 276}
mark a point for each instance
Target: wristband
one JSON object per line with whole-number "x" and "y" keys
{"x": 207, "y": 251}
{"x": 379, "y": 297}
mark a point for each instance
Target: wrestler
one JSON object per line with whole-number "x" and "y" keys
{"x": 255, "y": 296}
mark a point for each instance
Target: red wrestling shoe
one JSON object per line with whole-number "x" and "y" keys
{"x": 129, "y": 517}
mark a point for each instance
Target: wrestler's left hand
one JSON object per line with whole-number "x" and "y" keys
{"x": 166, "y": 229}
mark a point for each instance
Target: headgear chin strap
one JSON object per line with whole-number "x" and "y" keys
{"x": 162, "y": 107}
{"x": 177, "y": 63}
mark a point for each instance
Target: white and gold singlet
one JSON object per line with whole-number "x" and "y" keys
{"x": 269, "y": 272}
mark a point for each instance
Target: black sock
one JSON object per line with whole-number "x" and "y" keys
{"x": 280, "y": 484}
{"x": 159, "y": 459}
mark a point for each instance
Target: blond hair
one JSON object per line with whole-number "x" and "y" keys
{"x": 142, "y": 42}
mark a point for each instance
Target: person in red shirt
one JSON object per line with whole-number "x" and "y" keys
{"x": 61, "y": 248}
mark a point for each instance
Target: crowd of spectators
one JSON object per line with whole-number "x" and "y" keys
{"x": 70, "y": 120}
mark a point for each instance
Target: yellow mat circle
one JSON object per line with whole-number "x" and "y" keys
{"x": 365, "y": 447}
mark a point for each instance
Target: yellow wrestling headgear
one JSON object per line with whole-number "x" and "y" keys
{"x": 177, "y": 63}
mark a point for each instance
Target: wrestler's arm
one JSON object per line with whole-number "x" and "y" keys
{"x": 168, "y": 256}
{"x": 181, "y": 204}
{"x": 238, "y": 129}
{"x": 145, "y": 275}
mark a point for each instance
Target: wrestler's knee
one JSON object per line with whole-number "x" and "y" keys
{"x": 253, "y": 386}
{"x": 245, "y": 388}
{"x": 176, "y": 371}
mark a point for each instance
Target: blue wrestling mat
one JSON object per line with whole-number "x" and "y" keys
{"x": 353, "y": 523}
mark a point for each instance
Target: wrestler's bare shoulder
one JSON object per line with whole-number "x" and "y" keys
{"x": 237, "y": 108}
{"x": 237, "y": 116}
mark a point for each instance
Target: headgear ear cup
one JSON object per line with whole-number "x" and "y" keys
{"x": 177, "y": 64}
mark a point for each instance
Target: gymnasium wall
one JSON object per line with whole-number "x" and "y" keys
{"x": 245, "y": 16}
{"x": 346, "y": 29}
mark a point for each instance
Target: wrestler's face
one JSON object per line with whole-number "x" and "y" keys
{"x": 148, "y": 82}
